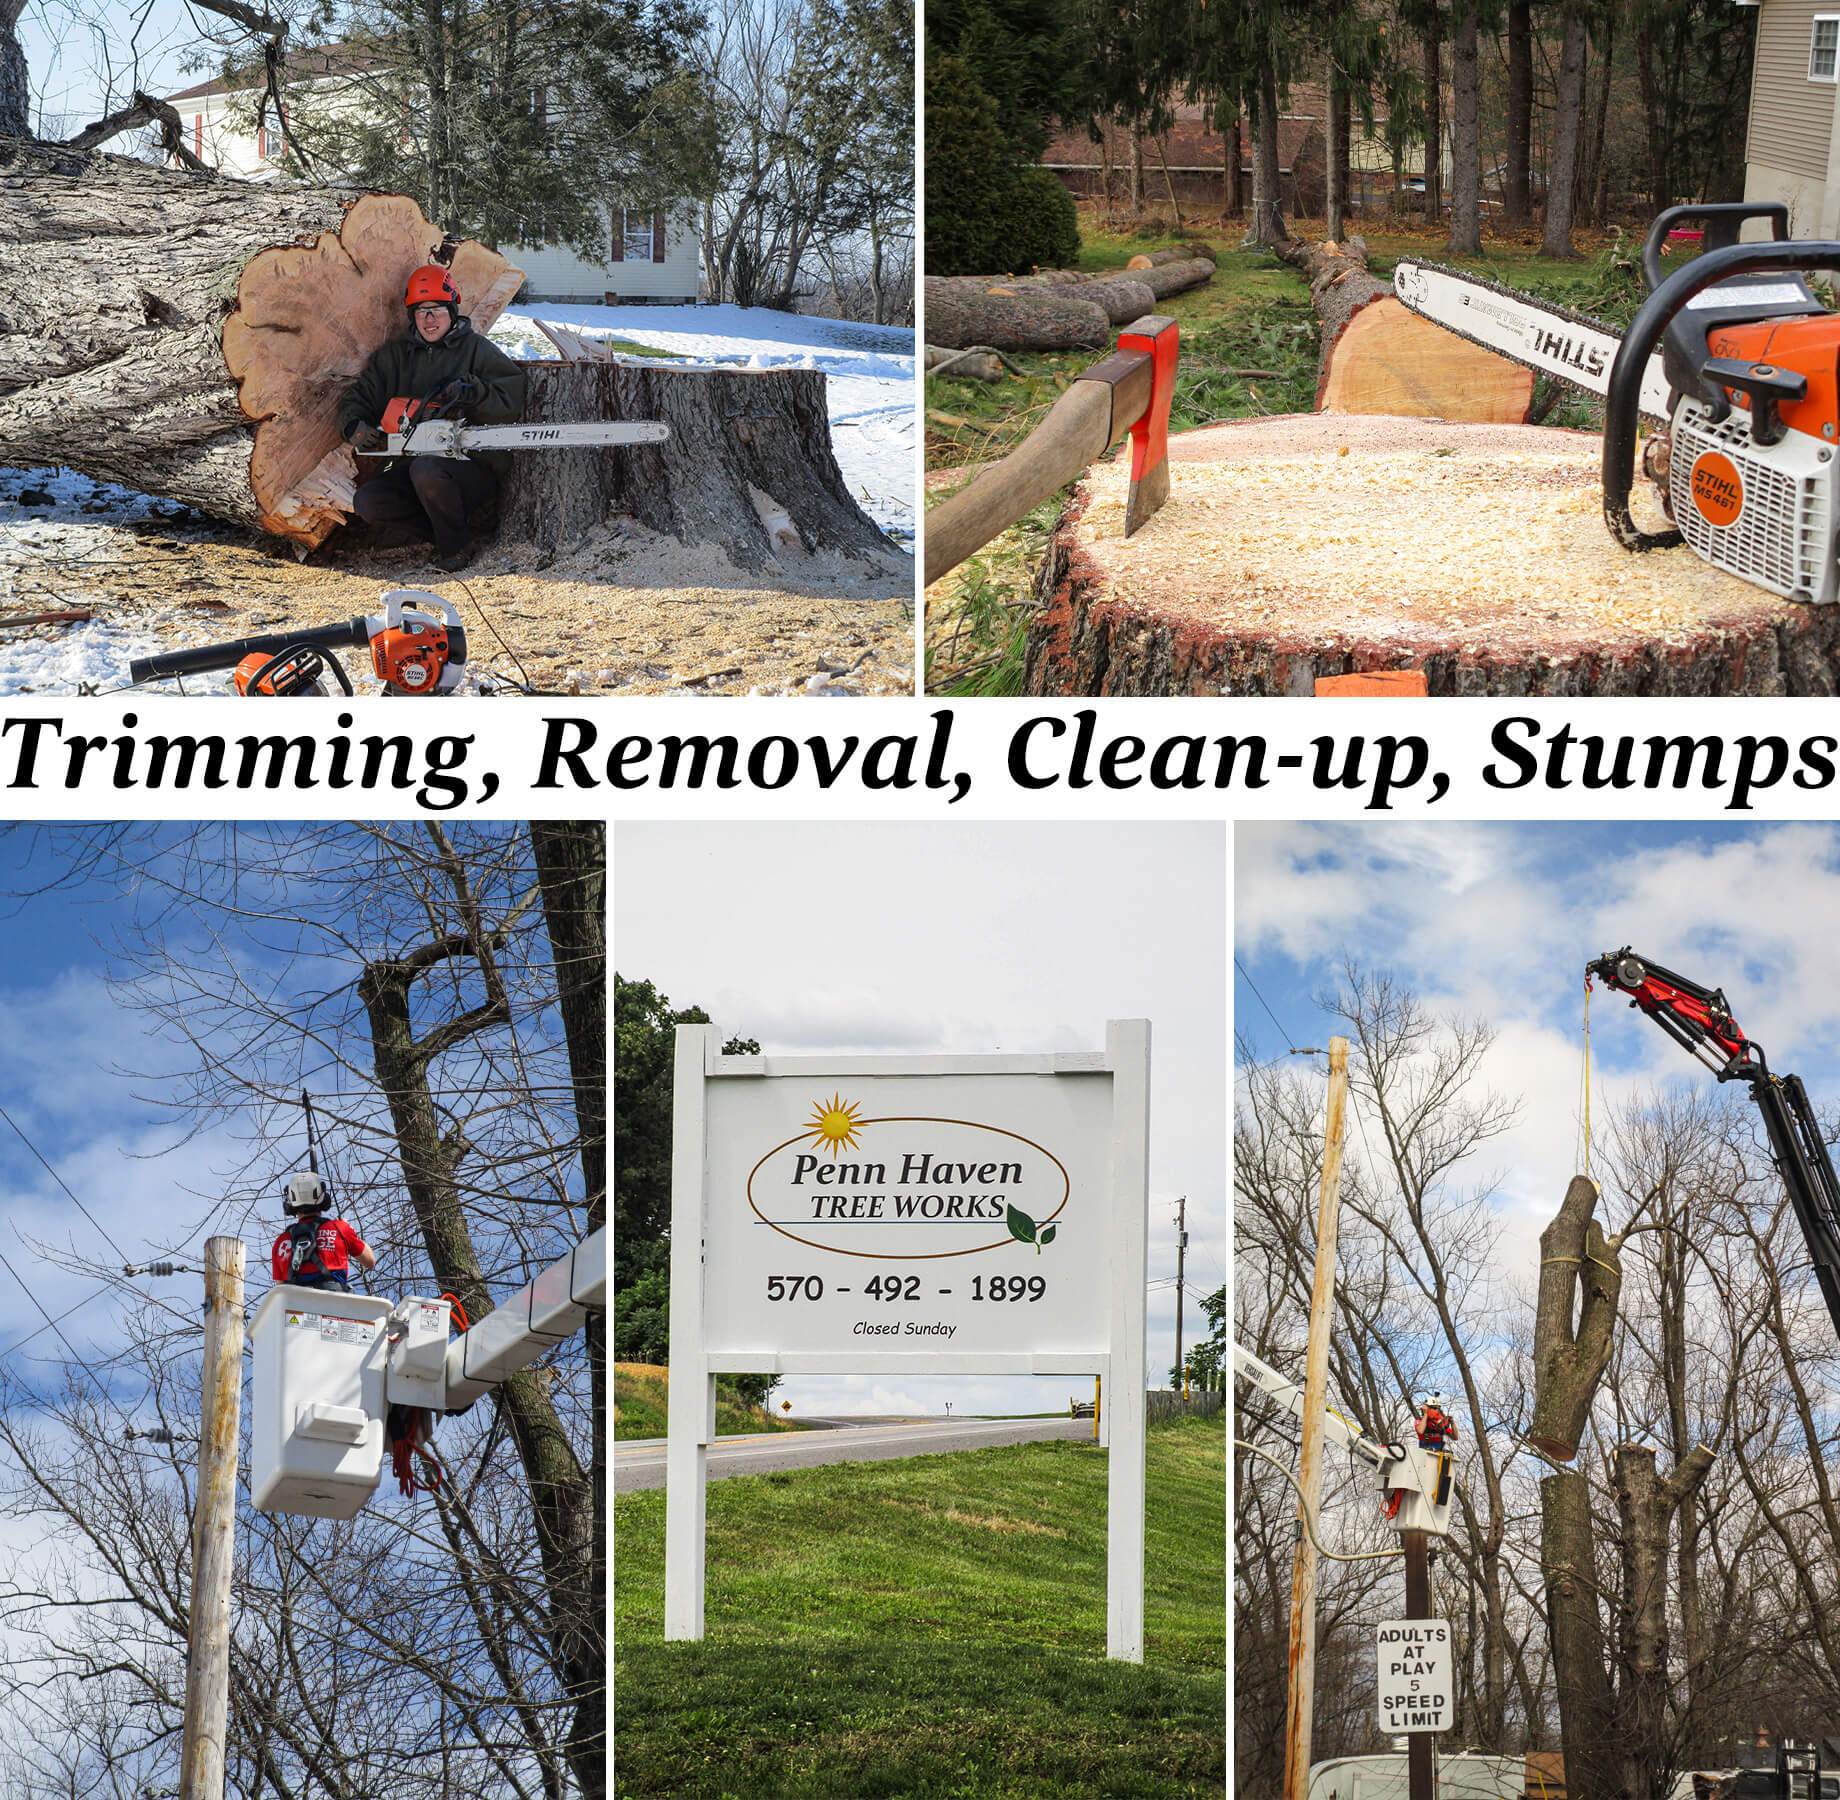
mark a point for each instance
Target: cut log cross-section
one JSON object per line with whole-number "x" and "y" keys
{"x": 191, "y": 337}
{"x": 1378, "y": 357}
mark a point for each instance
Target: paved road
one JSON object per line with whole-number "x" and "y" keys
{"x": 639, "y": 1462}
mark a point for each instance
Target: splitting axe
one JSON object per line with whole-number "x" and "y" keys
{"x": 1128, "y": 390}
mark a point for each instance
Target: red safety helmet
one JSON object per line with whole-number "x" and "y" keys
{"x": 429, "y": 286}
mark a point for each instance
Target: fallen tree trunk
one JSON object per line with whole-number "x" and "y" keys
{"x": 961, "y": 312}
{"x": 747, "y": 467}
{"x": 1175, "y": 253}
{"x": 1121, "y": 298}
{"x": 1379, "y": 357}
{"x": 1476, "y": 554}
{"x": 191, "y": 337}
{"x": 1175, "y": 277}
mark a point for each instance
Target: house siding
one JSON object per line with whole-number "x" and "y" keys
{"x": 1792, "y": 118}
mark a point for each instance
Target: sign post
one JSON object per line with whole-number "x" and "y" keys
{"x": 916, "y": 1215}
{"x": 1416, "y": 1671}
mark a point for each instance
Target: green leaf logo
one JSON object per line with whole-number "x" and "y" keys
{"x": 1022, "y": 1227}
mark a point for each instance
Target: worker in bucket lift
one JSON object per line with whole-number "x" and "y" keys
{"x": 440, "y": 368}
{"x": 1436, "y": 1428}
{"x": 315, "y": 1251}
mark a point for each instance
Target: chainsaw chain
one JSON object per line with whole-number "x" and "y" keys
{"x": 1568, "y": 314}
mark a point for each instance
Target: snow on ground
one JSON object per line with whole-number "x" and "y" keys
{"x": 870, "y": 370}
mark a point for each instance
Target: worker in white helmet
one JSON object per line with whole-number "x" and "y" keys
{"x": 315, "y": 1251}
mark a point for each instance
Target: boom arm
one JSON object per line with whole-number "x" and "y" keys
{"x": 1414, "y": 1477}
{"x": 1700, "y": 1020}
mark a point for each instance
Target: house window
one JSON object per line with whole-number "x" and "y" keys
{"x": 636, "y": 238}
{"x": 1824, "y": 50}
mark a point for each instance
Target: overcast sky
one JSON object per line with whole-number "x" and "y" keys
{"x": 1498, "y": 921}
{"x": 961, "y": 937}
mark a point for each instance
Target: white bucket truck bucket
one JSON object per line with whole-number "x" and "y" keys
{"x": 317, "y": 1397}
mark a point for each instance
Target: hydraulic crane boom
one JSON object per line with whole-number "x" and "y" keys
{"x": 1699, "y": 1019}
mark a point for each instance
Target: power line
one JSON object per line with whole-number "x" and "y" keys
{"x": 52, "y": 1323}
{"x": 65, "y": 1185}
{"x": 1272, "y": 1016}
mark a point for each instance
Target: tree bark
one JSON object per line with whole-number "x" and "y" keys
{"x": 1434, "y": 101}
{"x": 961, "y": 312}
{"x": 191, "y": 336}
{"x": 1267, "y": 199}
{"x": 1646, "y": 1506}
{"x": 1581, "y": 1277}
{"x": 15, "y": 80}
{"x": 561, "y": 1492}
{"x": 1335, "y": 202}
{"x": 1558, "y": 234}
{"x": 1466, "y": 137}
{"x": 746, "y": 446}
{"x": 1568, "y": 1559}
{"x": 1121, "y": 298}
{"x": 1517, "y": 196}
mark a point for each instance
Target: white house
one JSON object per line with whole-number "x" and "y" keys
{"x": 651, "y": 257}
{"x": 1792, "y": 150}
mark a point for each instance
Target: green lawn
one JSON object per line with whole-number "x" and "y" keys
{"x": 934, "y": 1627}
{"x": 641, "y": 1406}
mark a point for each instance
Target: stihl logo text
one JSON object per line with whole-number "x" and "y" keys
{"x": 1717, "y": 488}
{"x": 1587, "y": 358}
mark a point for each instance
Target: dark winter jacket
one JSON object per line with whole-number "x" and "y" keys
{"x": 409, "y": 369}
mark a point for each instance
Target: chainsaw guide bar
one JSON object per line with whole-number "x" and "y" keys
{"x": 1572, "y": 347}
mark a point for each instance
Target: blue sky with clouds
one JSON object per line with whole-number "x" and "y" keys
{"x": 1498, "y": 920}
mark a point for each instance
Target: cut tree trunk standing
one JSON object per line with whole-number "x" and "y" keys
{"x": 1377, "y": 357}
{"x": 748, "y": 465}
{"x": 1474, "y": 553}
{"x": 1646, "y": 1505}
{"x": 961, "y": 312}
{"x": 191, "y": 337}
{"x": 1581, "y": 1277}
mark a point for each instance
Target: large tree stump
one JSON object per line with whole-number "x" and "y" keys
{"x": 1313, "y": 545}
{"x": 962, "y": 311}
{"x": 1378, "y": 357}
{"x": 190, "y": 336}
{"x": 748, "y": 465}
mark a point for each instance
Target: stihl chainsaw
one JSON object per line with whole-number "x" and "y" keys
{"x": 417, "y": 646}
{"x": 1738, "y": 363}
{"x": 419, "y": 429}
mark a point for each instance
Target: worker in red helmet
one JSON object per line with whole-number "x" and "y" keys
{"x": 441, "y": 368}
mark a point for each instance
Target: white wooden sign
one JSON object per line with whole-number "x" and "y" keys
{"x": 909, "y": 1215}
{"x": 1416, "y": 1675}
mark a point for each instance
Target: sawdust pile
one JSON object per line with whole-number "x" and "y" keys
{"x": 1404, "y": 536}
{"x": 627, "y": 612}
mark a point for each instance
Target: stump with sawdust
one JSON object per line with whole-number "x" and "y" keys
{"x": 1313, "y": 545}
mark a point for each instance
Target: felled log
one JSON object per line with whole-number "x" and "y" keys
{"x": 975, "y": 364}
{"x": 190, "y": 336}
{"x": 1378, "y": 357}
{"x": 1122, "y": 298}
{"x": 1175, "y": 277}
{"x": 1312, "y": 545}
{"x": 961, "y": 312}
{"x": 1175, "y": 253}
{"x": 747, "y": 467}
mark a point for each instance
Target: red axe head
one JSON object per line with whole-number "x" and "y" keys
{"x": 1157, "y": 337}
{"x": 1141, "y": 373}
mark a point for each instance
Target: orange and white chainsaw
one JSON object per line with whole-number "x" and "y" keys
{"x": 417, "y": 646}
{"x": 1737, "y": 362}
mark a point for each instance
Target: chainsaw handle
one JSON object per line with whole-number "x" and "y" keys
{"x": 200, "y": 660}
{"x": 1723, "y": 216}
{"x": 1623, "y": 404}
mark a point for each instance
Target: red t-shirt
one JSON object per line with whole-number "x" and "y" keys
{"x": 336, "y": 1241}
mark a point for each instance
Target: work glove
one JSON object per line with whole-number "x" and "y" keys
{"x": 463, "y": 390}
{"x": 368, "y": 437}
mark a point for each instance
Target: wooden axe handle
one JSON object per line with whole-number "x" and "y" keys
{"x": 1103, "y": 404}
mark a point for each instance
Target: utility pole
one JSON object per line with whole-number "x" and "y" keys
{"x": 1181, "y": 1253}
{"x": 207, "y": 1675}
{"x": 1309, "y": 1466}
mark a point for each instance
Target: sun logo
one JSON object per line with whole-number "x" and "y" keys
{"x": 833, "y": 1123}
